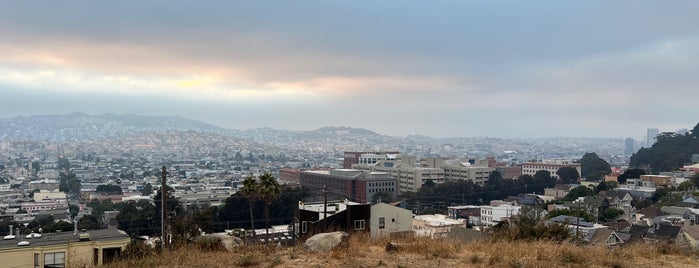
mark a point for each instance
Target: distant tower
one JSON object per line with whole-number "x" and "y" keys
{"x": 628, "y": 146}
{"x": 651, "y": 134}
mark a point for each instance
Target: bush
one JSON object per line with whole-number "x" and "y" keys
{"x": 208, "y": 243}
{"x": 137, "y": 249}
{"x": 529, "y": 226}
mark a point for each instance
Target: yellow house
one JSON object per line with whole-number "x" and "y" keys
{"x": 64, "y": 249}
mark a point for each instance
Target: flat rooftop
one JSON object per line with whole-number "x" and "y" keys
{"x": 64, "y": 237}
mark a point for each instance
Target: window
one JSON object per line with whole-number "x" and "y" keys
{"x": 55, "y": 260}
{"x": 36, "y": 260}
{"x": 359, "y": 224}
{"x": 304, "y": 227}
{"x": 382, "y": 222}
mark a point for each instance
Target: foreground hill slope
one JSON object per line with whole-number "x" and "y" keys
{"x": 363, "y": 252}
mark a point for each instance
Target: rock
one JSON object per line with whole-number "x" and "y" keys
{"x": 326, "y": 241}
{"x": 393, "y": 246}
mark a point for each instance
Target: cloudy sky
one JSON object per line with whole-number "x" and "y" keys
{"x": 439, "y": 68}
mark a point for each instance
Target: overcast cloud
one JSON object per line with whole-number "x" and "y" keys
{"x": 440, "y": 68}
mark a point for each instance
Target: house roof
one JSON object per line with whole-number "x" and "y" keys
{"x": 617, "y": 225}
{"x": 48, "y": 239}
{"x": 595, "y": 201}
{"x": 570, "y": 220}
{"x": 601, "y": 235}
{"x": 564, "y": 187}
{"x": 663, "y": 232}
{"x": 651, "y": 212}
{"x": 674, "y": 210}
{"x": 690, "y": 200}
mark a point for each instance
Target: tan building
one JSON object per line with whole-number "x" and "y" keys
{"x": 64, "y": 249}
{"x": 435, "y": 226}
{"x": 658, "y": 180}
{"x": 412, "y": 174}
{"x": 552, "y": 166}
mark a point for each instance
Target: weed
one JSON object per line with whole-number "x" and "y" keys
{"x": 248, "y": 259}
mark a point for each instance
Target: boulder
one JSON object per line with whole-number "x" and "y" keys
{"x": 326, "y": 241}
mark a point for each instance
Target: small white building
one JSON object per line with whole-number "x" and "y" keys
{"x": 492, "y": 215}
{"x": 435, "y": 226}
{"x": 387, "y": 219}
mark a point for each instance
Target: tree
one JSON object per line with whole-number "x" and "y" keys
{"x": 495, "y": 176}
{"x": 385, "y": 197}
{"x": 429, "y": 183}
{"x": 579, "y": 191}
{"x": 593, "y": 167}
{"x": 36, "y": 165}
{"x": 63, "y": 163}
{"x": 568, "y": 175}
{"x": 605, "y": 185}
{"x": 250, "y": 191}
{"x": 73, "y": 211}
{"x": 109, "y": 189}
{"x": 610, "y": 214}
{"x": 268, "y": 190}
{"x": 686, "y": 185}
{"x": 69, "y": 183}
{"x": 632, "y": 173}
{"x": 147, "y": 189}
{"x": 88, "y": 222}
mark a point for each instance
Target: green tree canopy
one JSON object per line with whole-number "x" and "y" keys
{"x": 632, "y": 173}
{"x": 610, "y": 214}
{"x": 568, "y": 175}
{"x": 109, "y": 189}
{"x": 268, "y": 190}
{"x": 593, "y": 167}
{"x": 670, "y": 152}
{"x": 579, "y": 191}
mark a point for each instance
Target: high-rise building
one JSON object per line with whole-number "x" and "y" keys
{"x": 651, "y": 134}
{"x": 628, "y": 146}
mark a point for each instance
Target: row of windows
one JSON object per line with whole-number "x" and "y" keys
{"x": 385, "y": 183}
{"x": 377, "y": 190}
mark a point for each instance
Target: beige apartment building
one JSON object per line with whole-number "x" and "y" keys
{"x": 552, "y": 166}
{"x": 64, "y": 249}
{"x": 412, "y": 174}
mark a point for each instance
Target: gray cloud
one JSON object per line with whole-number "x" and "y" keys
{"x": 441, "y": 68}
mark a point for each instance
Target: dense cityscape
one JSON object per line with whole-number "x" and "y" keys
{"x": 313, "y": 133}
{"x": 54, "y": 183}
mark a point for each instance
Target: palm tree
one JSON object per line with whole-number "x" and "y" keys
{"x": 250, "y": 190}
{"x": 268, "y": 190}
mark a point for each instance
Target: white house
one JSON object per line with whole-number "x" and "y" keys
{"x": 387, "y": 219}
{"x": 492, "y": 215}
{"x": 435, "y": 226}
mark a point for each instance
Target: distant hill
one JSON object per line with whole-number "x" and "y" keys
{"x": 81, "y": 126}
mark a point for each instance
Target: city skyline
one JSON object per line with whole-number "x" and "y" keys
{"x": 540, "y": 69}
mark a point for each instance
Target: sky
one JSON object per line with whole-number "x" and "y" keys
{"x": 438, "y": 68}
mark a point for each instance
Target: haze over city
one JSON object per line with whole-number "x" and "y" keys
{"x": 439, "y": 68}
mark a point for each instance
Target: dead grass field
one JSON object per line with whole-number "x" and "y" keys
{"x": 420, "y": 252}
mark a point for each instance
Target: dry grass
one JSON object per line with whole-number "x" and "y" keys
{"x": 420, "y": 252}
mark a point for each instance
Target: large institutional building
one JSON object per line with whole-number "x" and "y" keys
{"x": 352, "y": 158}
{"x": 552, "y": 166}
{"x": 356, "y": 185}
{"x": 412, "y": 174}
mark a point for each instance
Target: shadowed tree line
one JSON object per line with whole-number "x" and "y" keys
{"x": 670, "y": 152}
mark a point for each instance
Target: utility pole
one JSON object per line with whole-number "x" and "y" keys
{"x": 163, "y": 203}
{"x": 325, "y": 207}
